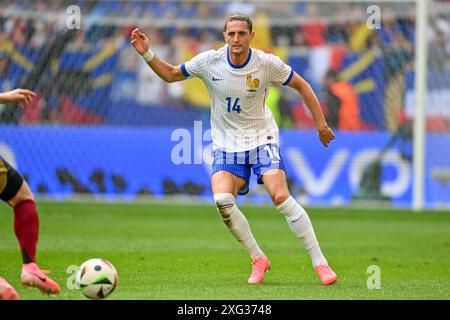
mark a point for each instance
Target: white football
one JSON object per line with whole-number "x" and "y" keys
{"x": 97, "y": 278}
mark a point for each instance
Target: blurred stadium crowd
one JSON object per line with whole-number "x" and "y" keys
{"x": 363, "y": 76}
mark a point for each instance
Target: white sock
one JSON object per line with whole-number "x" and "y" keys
{"x": 301, "y": 226}
{"x": 237, "y": 223}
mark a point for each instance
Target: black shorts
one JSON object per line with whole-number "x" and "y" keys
{"x": 10, "y": 181}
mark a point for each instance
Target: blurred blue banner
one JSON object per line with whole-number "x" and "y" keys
{"x": 121, "y": 162}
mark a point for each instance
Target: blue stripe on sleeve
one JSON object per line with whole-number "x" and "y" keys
{"x": 183, "y": 69}
{"x": 289, "y": 78}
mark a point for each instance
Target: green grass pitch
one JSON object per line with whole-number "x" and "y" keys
{"x": 169, "y": 252}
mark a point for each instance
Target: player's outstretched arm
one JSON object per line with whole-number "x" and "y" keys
{"x": 164, "y": 70}
{"x": 310, "y": 98}
{"x": 21, "y": 97}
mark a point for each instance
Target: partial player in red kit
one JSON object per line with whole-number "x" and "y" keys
{"x": 15, "y": 192}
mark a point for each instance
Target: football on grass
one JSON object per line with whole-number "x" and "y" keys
{"x": 97, "y": 278}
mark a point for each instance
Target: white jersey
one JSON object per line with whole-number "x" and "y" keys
{"x": 240, "y": 119}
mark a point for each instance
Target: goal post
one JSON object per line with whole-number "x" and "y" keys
{"x": 421, "y": 87}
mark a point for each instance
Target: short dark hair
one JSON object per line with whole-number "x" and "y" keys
{"x": 239, "y": 17}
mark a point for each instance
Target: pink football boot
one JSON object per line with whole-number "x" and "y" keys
{"x": 260, "y": 265}
{"x": 7, "y": 292}
{"x": 326, "y": 275}
{"x": 34, "y": 277}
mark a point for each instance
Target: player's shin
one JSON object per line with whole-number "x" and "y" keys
{"x": 26, "y": 228}
{"x": 300, "y": 224}
{"x": 237, "y": 223}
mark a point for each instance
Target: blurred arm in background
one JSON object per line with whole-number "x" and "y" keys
{"x": 20, "y": 96}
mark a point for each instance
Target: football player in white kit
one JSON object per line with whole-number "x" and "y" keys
{"x": 244, "y": 132}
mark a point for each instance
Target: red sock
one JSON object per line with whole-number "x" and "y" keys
{"x": 26, "y": 227}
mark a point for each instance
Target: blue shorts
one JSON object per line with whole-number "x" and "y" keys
{"x": 260, "y": 160}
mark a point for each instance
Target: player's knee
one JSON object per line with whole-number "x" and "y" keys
{"x": 279, "y": 197}
{"x": 224, "y": 201}
{"x": 23, "y": 194}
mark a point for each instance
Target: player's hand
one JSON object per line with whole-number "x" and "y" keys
{"x": 22, "y": 97}
{"x": 140, "y": 41}
{"x": 326, "y": 135}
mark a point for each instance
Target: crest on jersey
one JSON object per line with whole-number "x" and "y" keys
{"x": 253, "y": 84}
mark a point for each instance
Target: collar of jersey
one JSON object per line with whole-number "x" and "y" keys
{"x": 239, "y": 66}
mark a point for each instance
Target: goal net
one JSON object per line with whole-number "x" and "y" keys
{"x": 105, "y": 126}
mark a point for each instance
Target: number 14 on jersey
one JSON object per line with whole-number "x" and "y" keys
{"x": 236, "y": 106}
